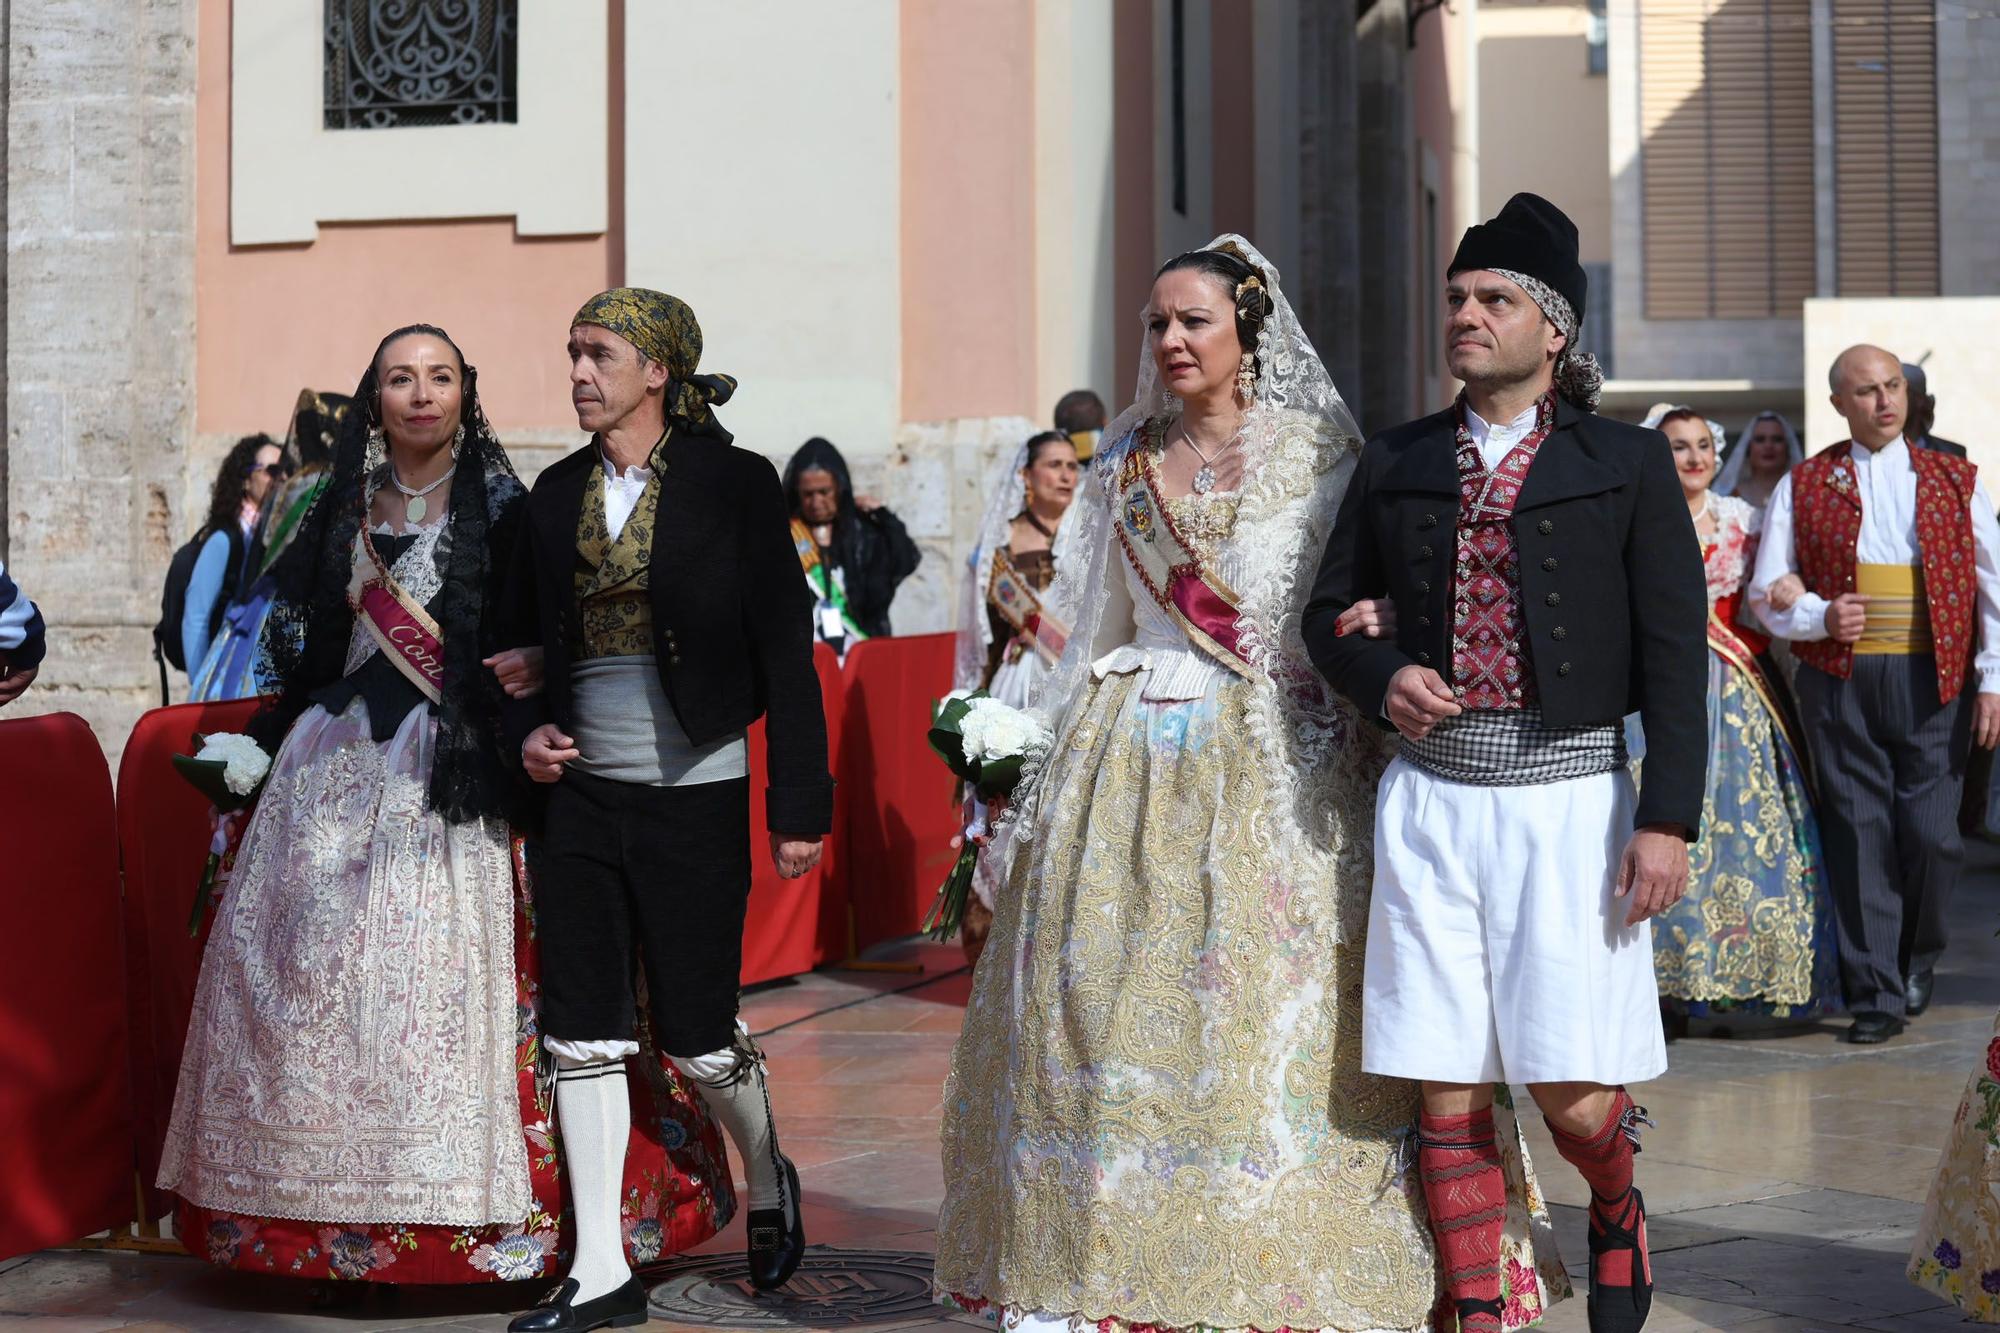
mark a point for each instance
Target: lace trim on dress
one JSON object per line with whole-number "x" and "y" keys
{"x": 1732, "y": 547}
{"x": 421, "y": 572}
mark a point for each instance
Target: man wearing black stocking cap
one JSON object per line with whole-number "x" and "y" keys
{"x": 1544, "y": 581}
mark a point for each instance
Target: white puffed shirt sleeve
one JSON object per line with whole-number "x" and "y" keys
{"x": 1806, "y": 621}
{"x": 1986, "y": 568}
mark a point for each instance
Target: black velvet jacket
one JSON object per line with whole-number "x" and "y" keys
{"x": 732, "y": 618}
{"x": 1612, "y": 589}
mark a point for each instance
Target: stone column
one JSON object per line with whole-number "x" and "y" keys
{"x": 1385, "y": 186}
{"x": 1327, "y": 294}
{"x": 99, "y": 335}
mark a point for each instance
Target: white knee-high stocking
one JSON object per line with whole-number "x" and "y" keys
{"x": 732, "y": 1083}
{"x": 595, "y": 1118}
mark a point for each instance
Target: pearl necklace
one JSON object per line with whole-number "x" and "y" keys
{"x": 414, "y": 504}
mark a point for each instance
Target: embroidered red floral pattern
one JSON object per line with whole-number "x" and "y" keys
{"x": 1489, "y": 666}
{"x": 1826, "y": 525}
{"x": 676, "y": 1188}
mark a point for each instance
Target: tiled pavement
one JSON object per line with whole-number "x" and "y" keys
{"x": 1786, "y": 1175}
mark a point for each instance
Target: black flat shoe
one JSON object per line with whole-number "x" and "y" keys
{"x": 1872, "y": 1027}
{"x": 775, "y": 1250}
{"x": 1621, "y": 1309}
{"x": 561, "y": 1312}
{"x": 1917, "y": 988}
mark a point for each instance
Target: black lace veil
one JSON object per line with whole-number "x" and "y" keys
{"x": 305, "y": 643}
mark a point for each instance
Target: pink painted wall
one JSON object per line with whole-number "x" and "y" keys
{"x": 968, "y": 243}
{"x": 272, "y": 319}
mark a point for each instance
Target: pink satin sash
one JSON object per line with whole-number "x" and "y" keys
{"x": 1197, "y": 598}
{"x": 401, "y": 628}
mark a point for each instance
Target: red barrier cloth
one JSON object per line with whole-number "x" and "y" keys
{"x": 676, "y": 1194}
{"x": 66, "y": 1098}
{"x": 901, "y": 815}
{"x": 795, "y": 925}
{"x": 163, "y": 832}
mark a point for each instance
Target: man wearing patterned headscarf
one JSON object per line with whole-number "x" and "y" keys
{"x": 656, "y": 575}
{"x": 1546, "y": 582}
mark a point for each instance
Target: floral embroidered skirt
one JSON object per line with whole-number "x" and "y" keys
{"x": 1156, "y": 1116}
{"x": 356, "y": 983}
{"x": 1755, "y": 929}
{"x": 1957, "y": 1254}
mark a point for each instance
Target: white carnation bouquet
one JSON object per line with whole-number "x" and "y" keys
{"x": 986, "y": 744}
{"x": 229, "y": 769}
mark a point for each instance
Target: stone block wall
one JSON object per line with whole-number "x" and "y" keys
{"x": 99, "y": 335}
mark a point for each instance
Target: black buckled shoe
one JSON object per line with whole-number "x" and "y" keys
{"x": 1621, "y": 1309}
{"x": 561, "y": 1312}
{"x": 1872, "y": 1027}
{"x": 1917, "y": 988}
{"x": 775, "y": 1249}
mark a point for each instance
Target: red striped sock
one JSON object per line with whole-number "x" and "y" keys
{"x": 1460, "y": 1163}
{"x": 1604, "y": 1159}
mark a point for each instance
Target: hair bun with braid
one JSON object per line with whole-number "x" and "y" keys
{"x": 1253, "y": 307}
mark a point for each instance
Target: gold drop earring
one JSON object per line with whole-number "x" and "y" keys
{"x": 1246, "y": 378}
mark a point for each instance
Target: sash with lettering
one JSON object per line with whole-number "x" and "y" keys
{"x": 398, "y": 623}
{"x": 1206, "y": 607}
{"x": 1021, "y": 607}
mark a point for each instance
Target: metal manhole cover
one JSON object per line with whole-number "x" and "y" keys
{"x": 832, "y": 1287}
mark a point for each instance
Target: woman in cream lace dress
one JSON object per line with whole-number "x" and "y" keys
{"x": 1156, "y": 1116}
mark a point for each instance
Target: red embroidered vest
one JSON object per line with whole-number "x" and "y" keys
{"x": 1489, "y": 664}
{"x": 1826, "y": 525}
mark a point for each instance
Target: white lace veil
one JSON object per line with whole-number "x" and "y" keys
{"x": 1300, "y": 444}
{"x": 1739, "y": 457}
{"x": 1005, "y": 498}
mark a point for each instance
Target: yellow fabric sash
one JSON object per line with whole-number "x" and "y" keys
{"x": 1899, "y": 614}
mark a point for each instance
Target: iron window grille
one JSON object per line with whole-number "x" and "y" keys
{"x": 420, "y": 62}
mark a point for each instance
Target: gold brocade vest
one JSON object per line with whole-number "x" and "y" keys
{"x": 615, "y": 611}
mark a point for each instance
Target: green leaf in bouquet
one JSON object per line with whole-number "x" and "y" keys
{"x": 950, "y": 712}
{"x": 946, "y": 740}
{"x": 206, "y": 776}
{"x": 998, "y": 777}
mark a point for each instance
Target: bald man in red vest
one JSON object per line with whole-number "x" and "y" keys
{"x": 1900, "y": 555}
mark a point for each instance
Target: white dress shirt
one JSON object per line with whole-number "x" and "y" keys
{"x": 1887, "y": 484}
{"x": 621, "y": 493}
{"x": 1496, "y": 442}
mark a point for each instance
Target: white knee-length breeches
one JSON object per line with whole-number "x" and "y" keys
{"x": 1496, "y": 947}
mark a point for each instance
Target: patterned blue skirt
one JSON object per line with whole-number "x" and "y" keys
{"x": 1755, "y": 931}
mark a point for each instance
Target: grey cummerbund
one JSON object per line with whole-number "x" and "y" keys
{"x": 1515, "y": 748}
{"x": 626, "y": 730}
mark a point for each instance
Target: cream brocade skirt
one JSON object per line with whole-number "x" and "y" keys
{"x": 1156, "y": 1113}
{"x": 350, "y": 1055}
